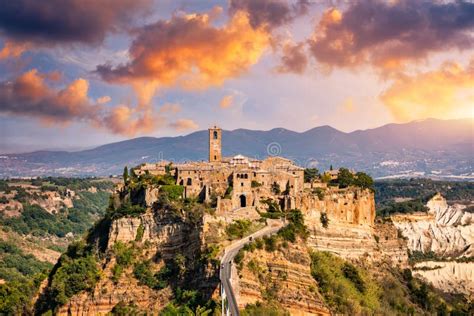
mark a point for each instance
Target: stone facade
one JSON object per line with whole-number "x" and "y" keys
{"x": 240, "y": 184}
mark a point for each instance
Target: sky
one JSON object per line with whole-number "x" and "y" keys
{"x": 75, "y": 74}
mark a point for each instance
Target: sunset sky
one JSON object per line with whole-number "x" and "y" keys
{"x": 79, "y": 73}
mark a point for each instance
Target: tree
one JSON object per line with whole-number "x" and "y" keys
{"x": 310, "y": 174}
{"x": 324, "y": 219}
{"x": 125, "y": 174}
{"x": 363, "y": 180}
{"x": 276, "y": 188}
{"x": 345, "y": 178}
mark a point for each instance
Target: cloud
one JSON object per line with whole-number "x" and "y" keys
{"x": 184, "y": 124}
{"x": 269, "y": 13}
{"x": 294, "y": 59}
{"x": 443, "y": 93}
{"x": 190, "y": 53}
{"x": 103, "y": 100}
{"x": 29, "y": 96}
{"x": 226, "y": 102}
{"x": 387, "y": 34}
{"x": 54, "y": 22}
{"x": 172, "y": 108}
{"x": 12, "y": 50}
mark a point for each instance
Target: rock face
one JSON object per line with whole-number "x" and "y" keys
{"x": 284, "y": 274}
{"x": 448, "y": 231}
{"x": 455, "y": 277}
{"x": 157, "y": 233}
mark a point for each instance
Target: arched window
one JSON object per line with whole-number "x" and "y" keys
{"x": 216, "y": 135}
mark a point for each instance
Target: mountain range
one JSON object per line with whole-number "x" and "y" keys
{"x": 437, "y": 148}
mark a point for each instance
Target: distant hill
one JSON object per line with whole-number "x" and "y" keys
{"x": 429, "y": 147}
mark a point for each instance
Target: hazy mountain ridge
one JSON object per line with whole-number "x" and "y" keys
{"x": 443, "y": 146}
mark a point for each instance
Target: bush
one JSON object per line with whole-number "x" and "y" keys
{"x": 174, "y": 192}
{"x": 145, "y": 276}
{"x": 73, "y": 276}
{"x": 324, "y": 220}
{"x": 128, "y": 210}
{"x": 238, "y": 229}
{"x": 344, "y": 287}
{"x": 255, "y": 184}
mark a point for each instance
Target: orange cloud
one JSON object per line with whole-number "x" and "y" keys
{"x": 190, "y": 52}
{"x": 103, "y": 100}
{"x": 444, "y": 93}
{"x": 226, "y": 101}
{"x": 12, "y": 49}
{"x": 170, "y": 108}
{"x": 184, "y": 124}
{"x": 29, "y": 96}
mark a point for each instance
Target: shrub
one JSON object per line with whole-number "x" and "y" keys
{"x": 255, "y": 184}
{"x": 324, "y": 219}
{"x": 270, "y": 243}
{"x": 275, "y": 188}
{"x": 238, "y": 229}
{"x": 140, "y": 232}
{"x": 128, "y": 210}
{"x": 174, "y": 192}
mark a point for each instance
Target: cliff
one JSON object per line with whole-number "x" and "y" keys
{"x": 446, "y": 230}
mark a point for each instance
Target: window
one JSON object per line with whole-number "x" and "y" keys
{"x": 215, "y": 157}
{"x": 216, "y": 135}
{"x": 241, "y": 184}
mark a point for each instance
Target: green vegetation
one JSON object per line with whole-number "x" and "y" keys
{"x": 146, "y": 276}
{"x": 276, "y": 188}
{"x": 267, "y": 309}
{"x": 346, "y": 178}
{"x": 354, "y": 290}
{"x": 127, "y": 209}
{"x": 140, "y": 232}
{"x": 423, "y": 189}
{"x": 324, "y": 219}
{"x": 174, "y": 192}
{"x": 77, "y": 270}
{"x": 124, "y": 309}
{"x": 295, "y": 228}
{"x": 255, "y": 184}
{"x": 273, "y": 209}
{"x": 15, "y": 264}
{"x": 23, "y": 273}
{"x": 405, "y": 207}
{"x": 238, "y": 229}
{"x": 310, "y": 174}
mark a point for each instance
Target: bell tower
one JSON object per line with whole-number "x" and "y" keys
{"x": 215, "y": 144}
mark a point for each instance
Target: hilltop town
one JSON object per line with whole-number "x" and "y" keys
{"x": 241, "y": 185}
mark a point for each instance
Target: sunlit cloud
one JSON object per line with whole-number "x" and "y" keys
{"x": 226, "y": 102}
{"x": 444, "y": 93}
{"x": 29, "y": 96}
{"x": 182, "y": 125}
{"x": 191, "y": 54}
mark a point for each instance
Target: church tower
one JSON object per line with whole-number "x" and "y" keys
{"x": 215, "y": 144}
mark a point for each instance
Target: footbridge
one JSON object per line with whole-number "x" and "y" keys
{"x": 229, "y": 302}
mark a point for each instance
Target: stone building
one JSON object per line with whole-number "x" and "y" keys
{"x": 239, "y": 184}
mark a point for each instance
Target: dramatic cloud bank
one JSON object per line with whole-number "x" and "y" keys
{"x": 387, "y": 34}
{"x": 269, "y": 13}
{"x": 190, "y": 52}
{"x": 56, "y": 22}
{"x": 28, "y": 95}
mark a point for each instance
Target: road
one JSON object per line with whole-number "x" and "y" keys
{"x": 229, "y": 254}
